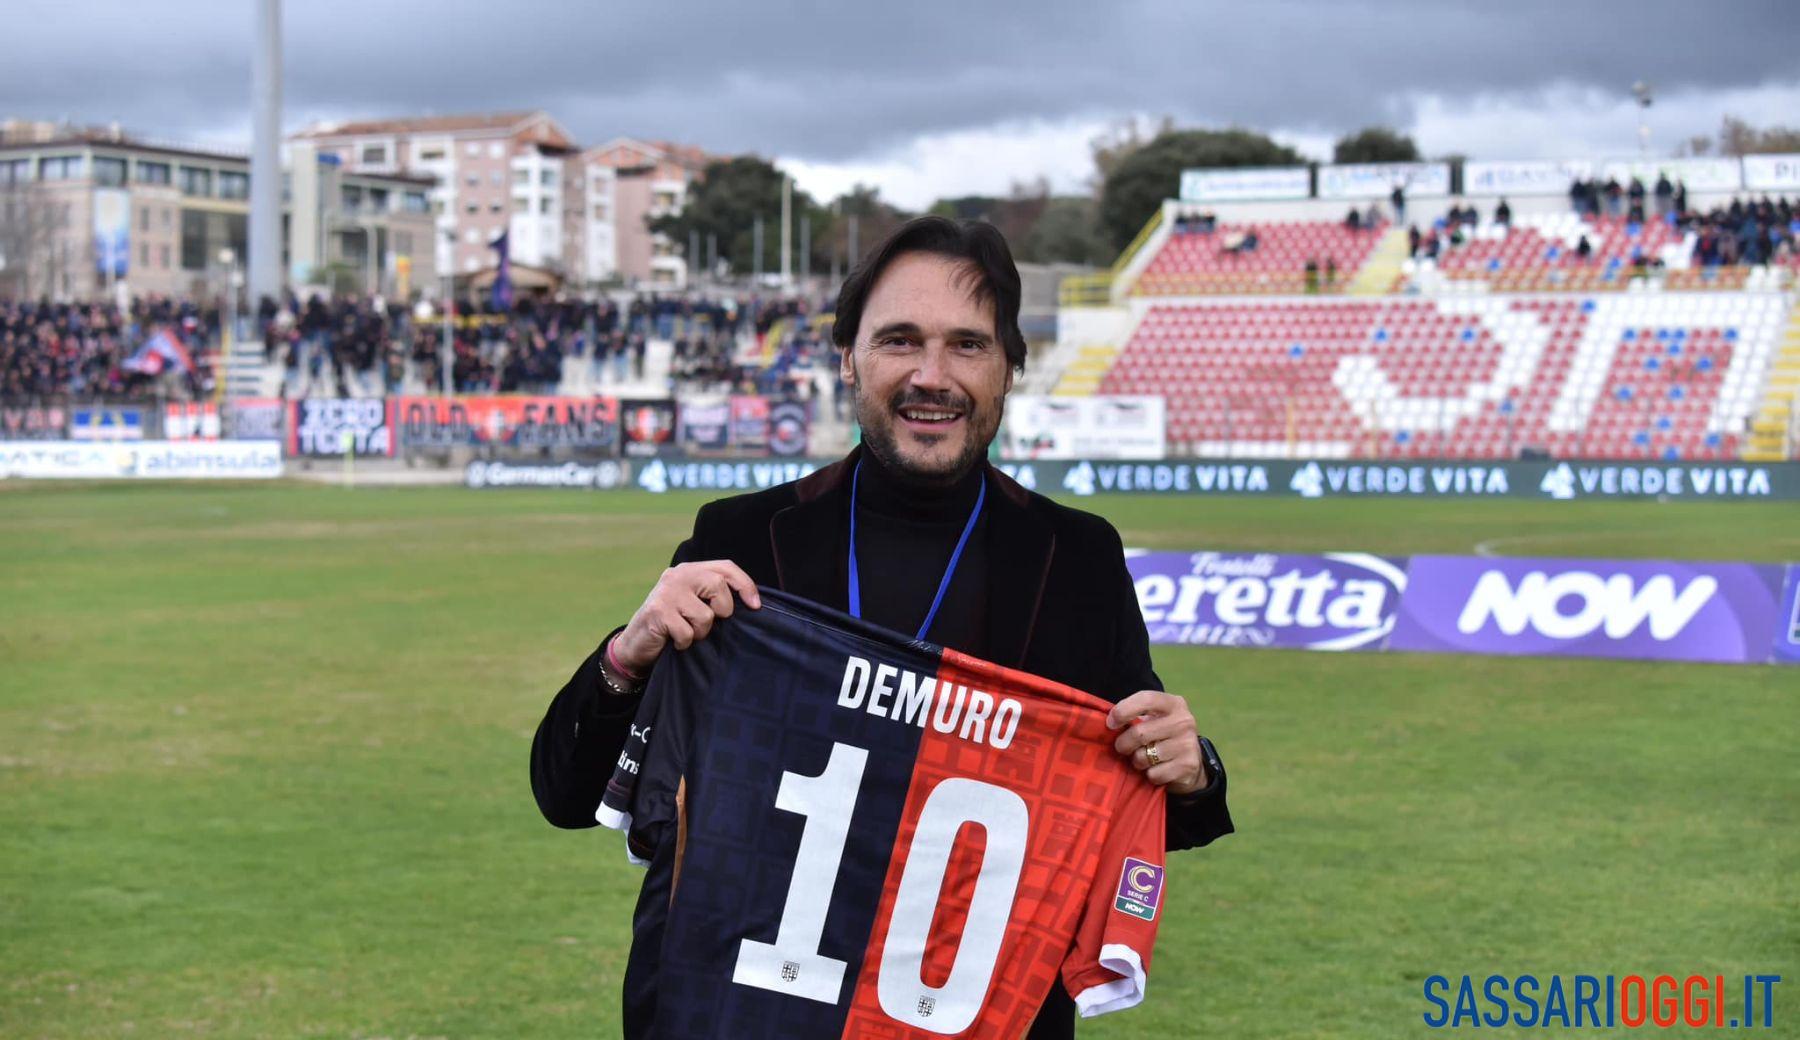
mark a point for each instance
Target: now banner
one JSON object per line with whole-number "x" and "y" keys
{"x": 1645, "y": 609}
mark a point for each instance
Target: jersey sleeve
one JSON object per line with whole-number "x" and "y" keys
{"x": 1109, "y": 961}
{"x": 640, "y": 795}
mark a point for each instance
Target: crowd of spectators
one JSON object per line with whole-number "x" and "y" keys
{"x": 81, "y": 349}
{"x": 347, "y": 345}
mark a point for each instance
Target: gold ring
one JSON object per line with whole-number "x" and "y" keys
{"x": 1152, "y": 754}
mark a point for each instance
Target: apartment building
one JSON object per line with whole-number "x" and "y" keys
{"x": 628, "y": 183}
{"x": 494, "y": 172}
{"x": 88, "y": 210}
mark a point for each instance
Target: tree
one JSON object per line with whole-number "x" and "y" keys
{"x": 1737, "y": 138}
{"x": 27, "y": 234}
{"x": 859, "y": 219}
{"x": 731, "y": 194}
{"x": 1137, "y": 185}
{"x": 1375, "y": 144}
{"x": 1067, "y": 231}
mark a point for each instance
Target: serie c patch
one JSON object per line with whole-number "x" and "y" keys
{"x": 1140, "y": 889}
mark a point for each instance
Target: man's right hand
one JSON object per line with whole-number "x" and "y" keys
{"x": 681, "y": 609}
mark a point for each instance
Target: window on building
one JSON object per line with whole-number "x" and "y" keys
{"x": 195, "y": 181}
{"x": 193, "y": 240}
{"x": 470, "y": 207}
{"x": 234, "y": 185}
{"x": 350, "y": 197}
{"x": 547, "y": 178}
{"x": 60, "y": 168}
{"x": 543, "y": 205}
{"x": 496, "y": 150}
{"x": 144, "y": 221}
{"x": 473, "y": 180}
{"x": 521, "y": 204}
{"x": 431, "y": 155}
{"x": 378, "y": 199}
{"x": 415, "y": 202}
{"x": 109, "y": 172}
{"x": 15, "y": 171}
{"x": 521, "y": 177}
{"x": 665, "y": 199}
{"x": 600, "y": 211}
{"x": 496, "y": 178}
{"x": 374, "y": 154}
{"x": 168, "y": 221}
{"x": 162, "y": 255}
{"x": 494, "y": 207}
{"x": 471, "y": 235}
{"x": 153, "y": 172}
{"x": 472, "y": 149}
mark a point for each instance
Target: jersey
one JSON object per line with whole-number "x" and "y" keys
{"x": 852, "y": 834}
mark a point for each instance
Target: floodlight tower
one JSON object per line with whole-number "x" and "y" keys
{"x": 265, "y": 155}
{"x": 1642, "y": 91}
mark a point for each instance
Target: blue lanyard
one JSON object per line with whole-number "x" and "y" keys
{"x": 955, "y": 554}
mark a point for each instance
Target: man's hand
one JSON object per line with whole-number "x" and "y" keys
{"x": 681, "y": 609}
{"x": 1154, "y": 719}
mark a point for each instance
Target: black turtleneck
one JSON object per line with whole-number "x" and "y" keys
{"x": 905, "y": 533}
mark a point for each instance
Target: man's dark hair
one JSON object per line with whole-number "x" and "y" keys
{"x": 977, "y": 244}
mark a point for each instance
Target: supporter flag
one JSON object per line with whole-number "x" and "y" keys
{"x": 503, "y": 288}
{"x": 161, "y": 350}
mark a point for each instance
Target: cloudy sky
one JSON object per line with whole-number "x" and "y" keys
{"x": 932, "y": 97}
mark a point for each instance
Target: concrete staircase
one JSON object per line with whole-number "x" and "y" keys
{"x": 1382, "y": 268}
{"x": 1082, "y": 376}
{"x": 1775, "y": 430}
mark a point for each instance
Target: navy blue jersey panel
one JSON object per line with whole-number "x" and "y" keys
{"x": 759, "y": 698}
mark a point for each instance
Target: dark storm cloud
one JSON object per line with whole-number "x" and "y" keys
{"x": 832, "y": 81}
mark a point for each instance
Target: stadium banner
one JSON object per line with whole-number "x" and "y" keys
{"x": 789, "y": 424}
{"x": 1529, "y": 177}
{"x": 1642, "y": 609}
{"x": 1246, "y": 185}
{"x": 1772, "y": 172}
{"x": 704, "y": 424}
{"x": 320, "y": 425}
{"x": 604, "y": 475}
{"x": 106, "y": 424}
{"x": 255, "y": 419}
{"x": 1337, "y": 601}
{"x": 516, "y": 421}
{"x": 1560, "y": 481}
{"x": 1100, "y": 426}
{"x": 660, "y": 475}
{"x": 1378, "y": 180}
{"x": 1787, "y": 629}
{"x": 33, "y": 423}
{"x": 140, "y": 460}
{"x": 1697, "y": 174}
{"x": 646, "y": 426}
{"x": 112, "y": 233}
{"x": 191, "y": 421}
{"x": 750, "y": 423}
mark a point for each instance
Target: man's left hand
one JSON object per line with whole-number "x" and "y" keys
{"x": 1160, "y": 739}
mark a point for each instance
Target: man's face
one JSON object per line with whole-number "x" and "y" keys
{"x": 928, "y": 370}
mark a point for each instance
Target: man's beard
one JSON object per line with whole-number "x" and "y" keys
{"x": 877, "y": 422}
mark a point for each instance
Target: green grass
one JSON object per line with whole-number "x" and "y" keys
{"x": 263, "y": 773}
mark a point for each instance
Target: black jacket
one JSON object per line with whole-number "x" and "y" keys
{"x": 1060, "y": 604}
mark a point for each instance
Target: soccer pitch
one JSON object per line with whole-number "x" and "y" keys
{"x": 263, "y": 773}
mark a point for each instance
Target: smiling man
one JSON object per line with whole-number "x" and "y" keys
{"x": 913, "y": 531}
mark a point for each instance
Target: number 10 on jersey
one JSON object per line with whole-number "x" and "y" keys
{"x": 792, "y": 964}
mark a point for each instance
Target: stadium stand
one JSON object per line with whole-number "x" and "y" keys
{"x": 1664, "y": 376}
{"x": 1196, "y": 262}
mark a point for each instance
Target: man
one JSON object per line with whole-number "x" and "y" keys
{"x": 928, "y": 325}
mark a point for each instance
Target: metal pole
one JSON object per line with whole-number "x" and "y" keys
{"x": 757, "y": 252}
{"x": 805, "y": 247}
{"x": 693, "y": 255}
{"x": 853, "y": 253}
{"x": 787, "y": 231}
{"x": 447, "y": 353}
{"x": 265, "y": 154}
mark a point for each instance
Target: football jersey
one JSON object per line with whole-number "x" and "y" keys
{"x": 853, "y": 834}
